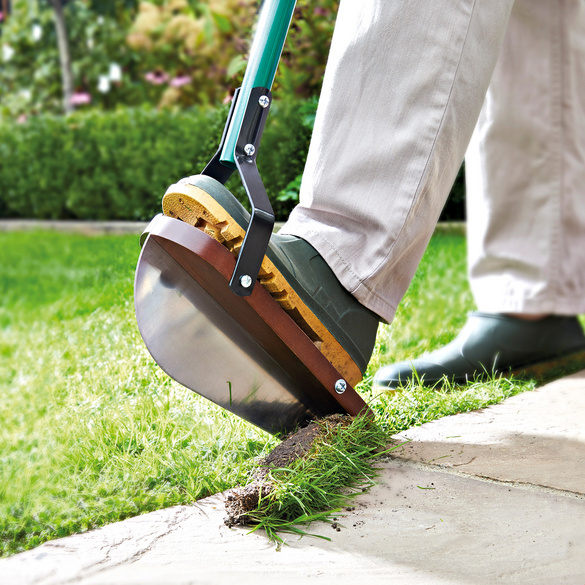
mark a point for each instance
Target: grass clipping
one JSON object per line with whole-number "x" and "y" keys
{"x": 308, "y": 476}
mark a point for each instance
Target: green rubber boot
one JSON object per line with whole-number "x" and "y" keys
{"x": 293, "y": 272}
{"x": 492, "y": 344}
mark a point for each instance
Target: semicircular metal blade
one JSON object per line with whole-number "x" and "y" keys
{"x": 243, "y": 353}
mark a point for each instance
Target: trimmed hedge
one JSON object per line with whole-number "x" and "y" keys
{"x": 117, "y": 165}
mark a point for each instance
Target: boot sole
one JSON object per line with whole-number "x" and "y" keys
{"x": 194, "y": 206}
{"x": 544, "y": 371}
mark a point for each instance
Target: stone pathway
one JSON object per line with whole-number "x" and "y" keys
{"x": 92, "y": 228}
{"x": 86, "y": 228}
{"x": 493, "y": 496}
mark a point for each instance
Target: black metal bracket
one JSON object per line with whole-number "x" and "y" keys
{"x": 262, "y": 219}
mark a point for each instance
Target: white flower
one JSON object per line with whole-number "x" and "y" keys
{"x": 25, "y": 94}
{"x": 7, "y": 52}
{"x": 115, "y": 72}
{"x": 37, "y": 32}
{"x": 103, "y": 84}
{"x": 90, "y": 43}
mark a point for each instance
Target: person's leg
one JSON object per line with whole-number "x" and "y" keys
{"x": 403, "y": 88}
{"x": 526, "y": 168}
{"x": 526, "y": 203}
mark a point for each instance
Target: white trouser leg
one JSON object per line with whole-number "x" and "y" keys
{"x": 526, "y": 167}
{"x": 404, "y": 86}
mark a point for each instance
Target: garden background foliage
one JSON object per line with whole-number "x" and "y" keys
{"x": 118, "y": 165}
{"x": 152, "y": 81}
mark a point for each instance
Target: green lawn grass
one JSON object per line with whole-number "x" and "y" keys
{"x": 91, "y": 431}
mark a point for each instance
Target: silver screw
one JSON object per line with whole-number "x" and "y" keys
{"x": 246, "y": 281}
{"x": 264, "y": 101}
{"x": 340, "y": 386}
{"x": 249, "y": 149}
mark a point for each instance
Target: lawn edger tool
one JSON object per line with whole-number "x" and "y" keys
{"x": 212, "y": 307}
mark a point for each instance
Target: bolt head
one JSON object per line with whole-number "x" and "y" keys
{"x": 250, "y": 149}
{"x": 246, "y": 281}
{"x": 264, "y": 101}
{"x": 340, "y": 386}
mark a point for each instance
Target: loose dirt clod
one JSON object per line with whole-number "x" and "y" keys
{"x": 241, "y": 501}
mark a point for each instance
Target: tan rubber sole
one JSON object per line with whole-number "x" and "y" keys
{"x": 542, "y": 372}
{"x": 194, "y": 206}
{"x": 561, "y": 365}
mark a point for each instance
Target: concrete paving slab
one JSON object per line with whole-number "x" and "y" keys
{"x": 536, "y": 437}
{"x": 423, "y": 523}
{"x": 83, "y": 227}
{"x": 90, "y": 227}
{"x": 417, "y": 526}
{"x": 96, "y": 228}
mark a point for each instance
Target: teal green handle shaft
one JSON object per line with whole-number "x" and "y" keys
{"x": 273, "y": 25}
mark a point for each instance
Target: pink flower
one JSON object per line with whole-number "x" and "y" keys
{"x": 156, "y": 77}
{"x": 1, "y": 16}
{"x": 80, "y": 98}
{"x": 22, "y": 118}
{"x": 180, "y": 80}
{"x": 320, "y": 12}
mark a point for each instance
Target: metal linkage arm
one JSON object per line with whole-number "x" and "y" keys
{"x": 262, "y": 221}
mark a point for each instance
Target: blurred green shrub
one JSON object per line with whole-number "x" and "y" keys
{"x": 118, "y": 164}
{"x": 303, "y": 59}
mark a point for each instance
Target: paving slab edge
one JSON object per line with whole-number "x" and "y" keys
{"x": 90, "y": 227}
